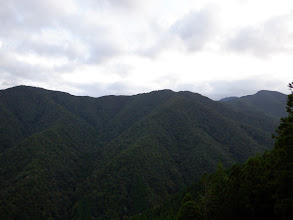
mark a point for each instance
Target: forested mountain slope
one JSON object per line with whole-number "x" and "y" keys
{"x": 260, "y": 188}
{"x": 64, "y": 156}
{"x": 266, "y": 101}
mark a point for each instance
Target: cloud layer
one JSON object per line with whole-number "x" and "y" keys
{"x": 266, "y": 39}
{"x": 126, "y": 47}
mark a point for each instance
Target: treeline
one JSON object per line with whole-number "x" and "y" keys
{"x": 261, "y": 188}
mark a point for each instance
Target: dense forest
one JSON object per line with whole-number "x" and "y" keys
{"x": 260, "y": 188}
{"x": 69, "y": 157}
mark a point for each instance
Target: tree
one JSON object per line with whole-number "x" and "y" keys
{"x": 284, "y": 163}
{"x": 188, "y": 209}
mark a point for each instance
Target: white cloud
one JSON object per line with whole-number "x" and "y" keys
{"x": 196, "y": 28}
{"x": 111, "y": 47}
{"x": 266, "y": 39}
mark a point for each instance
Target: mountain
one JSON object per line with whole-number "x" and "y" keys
{"x": 260, "y": 188}
{"x": 64, "y": 157}
{"x": 265, "y": 101}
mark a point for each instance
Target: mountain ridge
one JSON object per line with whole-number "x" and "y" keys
{"x": 115, "y": 155}
{"x": 263, "y": 100}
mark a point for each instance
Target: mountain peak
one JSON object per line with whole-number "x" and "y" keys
{"x": 268, "y": 92}
{"x": 264, "y": 100}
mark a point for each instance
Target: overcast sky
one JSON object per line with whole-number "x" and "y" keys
{"x": 124, "y": 47}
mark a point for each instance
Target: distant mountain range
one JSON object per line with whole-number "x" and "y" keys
{"x": 64, "y": 157}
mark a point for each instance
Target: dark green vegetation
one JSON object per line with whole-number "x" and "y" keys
{"x": 65, "y": 157}
{"x": 261, "y": 188}
{"x": 263, "y": 101}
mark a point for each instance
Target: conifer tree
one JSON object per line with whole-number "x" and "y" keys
{"x": 188, "y": 209}
{"x": 284, "y": 163}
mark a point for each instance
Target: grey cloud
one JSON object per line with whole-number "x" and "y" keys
{"x": 29, "y": 14}
{"x": 272, "y": 36}
{"x": 192, "y": 32}
{"x": 23, "y": 19}
{"x": 121, "y": 69}
{"x": 15, "y": 72}
{"x": 32, "y": 16}
{"x": 115, "y": 4}
{"x": 8, "y": 64}
{"x": 66, "y": 49}
{"x": 221, "y": 88}
{"x": 68, "y": 67}
{"x": 25, "y": 25}
{"x": 118, "y": 88}
{"x": 25, "y": 29}
{"x": 196, "y": 28}
{"x": 4, "y": 83}
{"x": 100, "y": 41}
{"x": 100, "y": 51}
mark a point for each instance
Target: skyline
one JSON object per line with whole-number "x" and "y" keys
{"x": 126, "y": 47}
{"x": 152, "y": 91}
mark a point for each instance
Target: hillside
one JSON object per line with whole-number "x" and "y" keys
{"x": 265, "y": 101}
{"x": 260, "y": 188}
{"x": 63, "y": 156}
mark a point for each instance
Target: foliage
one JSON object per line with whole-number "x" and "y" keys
{"x": 67, "y": 157}
{"x": 261, "y": 188}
